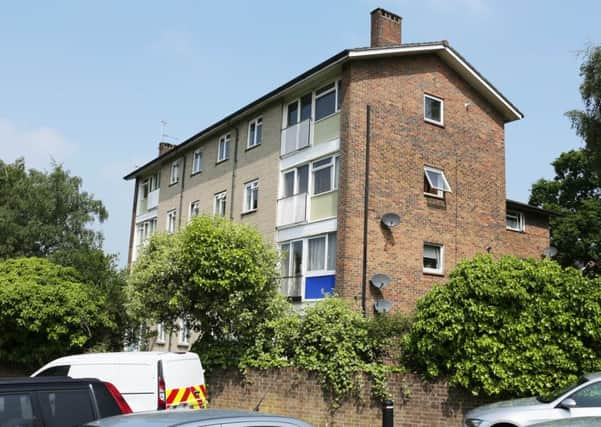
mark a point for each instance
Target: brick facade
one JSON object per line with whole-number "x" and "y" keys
{"x": 469, "y": 148}
{"x": 298, "y": 394}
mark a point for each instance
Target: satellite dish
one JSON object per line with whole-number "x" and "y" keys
{"x": 550, "y": 252}
{"x": 390, "y": 220}
{"x": 379, "y": 281}
{"x": 383, "y": 306}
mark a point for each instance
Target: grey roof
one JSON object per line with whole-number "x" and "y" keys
{"x": 339, "y": 57}
{"x": 529, "y": 208}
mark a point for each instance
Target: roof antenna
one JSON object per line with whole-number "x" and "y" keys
{"x": 259, "y": 404}
{"x": 163, "y": 126}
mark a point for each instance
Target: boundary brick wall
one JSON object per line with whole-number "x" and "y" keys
{"x": 296, "y": 393}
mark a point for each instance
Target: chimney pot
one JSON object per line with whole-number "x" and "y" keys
{"x": 385, "y": 28}
{"x": 164, "y": 147}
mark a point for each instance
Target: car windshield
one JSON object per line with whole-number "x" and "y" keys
{"x": 550, "y": 397}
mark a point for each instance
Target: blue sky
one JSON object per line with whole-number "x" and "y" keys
{"x": 87, "y": 83}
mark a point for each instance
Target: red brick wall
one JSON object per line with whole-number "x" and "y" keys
{"x": 298, "y": 394}
{"x": 469, "y": 149}
{"x": 532, "y": 241}
{"x": 385, "y": 28}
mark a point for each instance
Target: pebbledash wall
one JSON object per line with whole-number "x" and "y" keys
{"x": 295, "y": 393}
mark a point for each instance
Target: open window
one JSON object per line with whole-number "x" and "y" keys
{"x": 433, "y": 258}
{"x": 514, "y": 221}
{"x": 435, "y": 182}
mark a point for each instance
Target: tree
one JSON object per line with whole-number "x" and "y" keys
{"x": 46, "y": 312}
{"x": 588, "y": 122}
{"x": 42, "y": 213}
{"x": 219, "y": 277}
{"x": 575, "y": 196}
{"x": 510, "y": 327}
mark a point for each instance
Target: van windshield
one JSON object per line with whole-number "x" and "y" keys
{"x": 548, "y": 398}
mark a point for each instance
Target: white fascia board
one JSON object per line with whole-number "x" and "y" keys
{"x": 441, "y": 48}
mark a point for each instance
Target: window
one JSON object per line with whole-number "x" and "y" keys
{"x": 435, "y": 183}
{"x": 322, "y": 253}
{"x": 196, "y": 161}
{"x": 223, "y": 151}
{"x": 325, "y": 101}
{"x": 255, "y": 133}
{"x": 174, "y": 176}
{"x": 514, "y": 221}
{"x": 150, "y": 184}
{"x": 296, "y": 181}
{"x": 160, "y": 333}
{"x": 184, "y": 334}
{"x": 145, "y": 230}
{"x": 299, "y": 110}
{"x": 251, "y": 196}
{"x": 55, "y": 371}
{"x": 220, "y": 203}
{"x": 324, "y": 175}
{"x": 433, "y": 110}
{"x": 66, "y": 407}
{"x": 194, "y": 209}
{"x": 433, "y": 258}
{"x": 171, "y": 216}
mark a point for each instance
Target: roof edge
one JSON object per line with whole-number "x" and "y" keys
{"x": 529, "y": 208}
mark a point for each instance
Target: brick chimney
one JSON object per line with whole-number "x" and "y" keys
{"x": 164, "y": 147}
{"x": 385, "y": 28}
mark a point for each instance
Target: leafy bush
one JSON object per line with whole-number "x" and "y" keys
{"x": 508, "y": 327}
{"x": 46, "y": 312}
{"x": 333, "y": 341}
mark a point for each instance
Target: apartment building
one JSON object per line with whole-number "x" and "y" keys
{"x": 374, "y": 173}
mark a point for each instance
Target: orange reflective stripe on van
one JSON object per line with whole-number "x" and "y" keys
{"x": 188, "y": 397}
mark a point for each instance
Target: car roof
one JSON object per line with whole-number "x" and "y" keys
{"x": 185, "y": 416}
{"x": 30, "y": 381}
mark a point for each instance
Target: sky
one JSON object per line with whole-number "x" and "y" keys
{"x": 86, "y": 83}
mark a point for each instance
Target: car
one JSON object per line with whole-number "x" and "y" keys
{"x": 204, "y": 418}
{"x": 57, "y": 401}
{"x": 572, "y": 422}
{"x": 582, "y": 399}
{"x": 148, "y": 380}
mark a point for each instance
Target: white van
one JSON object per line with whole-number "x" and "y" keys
{"x": 147, "y": 380}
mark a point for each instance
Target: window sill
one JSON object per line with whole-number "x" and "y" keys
{"x": 182, "y": 344}
{"x": 248, "y": 148}
{"x": 196, "y": 173}
{"x": 324, "y": 193}
{"x": 434, "y": 196}
{"x": 433, "y": 273}
{"x": 515, "y": 231}
{"x": 160, "y": 343}
{"x": 248, "y": 212}
{"x": 434, "y": 122}
{"x": 171, "y": 184}
{"x": 218, "y": 162}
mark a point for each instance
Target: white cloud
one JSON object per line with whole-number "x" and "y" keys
{"x": 38, "y": 145}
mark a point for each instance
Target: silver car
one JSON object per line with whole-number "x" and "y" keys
{"x": 582, "y": 399}
{"x": 198, "y": 418}
{"x": 572, "y": 422}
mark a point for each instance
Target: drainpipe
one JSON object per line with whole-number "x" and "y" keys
{"x": 365, "y": 209}
{"x": 234, "y": 172}
{"x": 181, "y": 194}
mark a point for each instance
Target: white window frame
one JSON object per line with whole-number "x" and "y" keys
{"x": 440, "y": 269}
{"x": 520, "y": 218}
{"x": 183, "y": 334}
{"x": 174, "y": 173}
{"x": 430, "y": 120}
{"x": 255, "y": 141}
{"x": 223, "y": 148}
{"x": 336, "y": 87}
{"x": 171, "y": 220}
{"x": 222, "y": 195}
{"x": 325, "y": 270}
{"x": 250, "y": 187}
{"x": 333, "y": 174}
{"x": 161, "y": 333}
{"x": 439, "y": 191}
{"x": 194, "y": 209}
{"x": 196, "y": 161}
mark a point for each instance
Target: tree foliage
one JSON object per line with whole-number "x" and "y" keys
{"x": 575, "y": 195}
{"x": 588, "y": 122}
{"x": 46, "y": 312}
{"x": 43, "y": 213}
{"x": 218, "y": 276}
{"x": 509, "y": 327}
{"x": 333, "y": 341}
